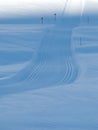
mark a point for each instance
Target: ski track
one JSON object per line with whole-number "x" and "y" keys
{"x": 52, "y": 63}
{"x": 48, "y": 60}
{"x": 44, "y": 56}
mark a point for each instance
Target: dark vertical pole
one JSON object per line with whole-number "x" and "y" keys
{"x": 55, "y": 16}
{"x": 42, "y": 20}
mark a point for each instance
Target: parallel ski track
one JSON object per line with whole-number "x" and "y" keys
{"x": 54, "y": 65}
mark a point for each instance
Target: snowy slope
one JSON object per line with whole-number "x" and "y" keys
{"x": 49, "y": 75}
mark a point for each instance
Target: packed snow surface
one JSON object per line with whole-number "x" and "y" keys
{"x": 49, "y": 75}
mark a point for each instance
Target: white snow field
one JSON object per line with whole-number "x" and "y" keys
{"x": 49, "y": 74}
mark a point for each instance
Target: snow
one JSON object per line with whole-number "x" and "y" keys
{"x": 49, "y": 75}
{"x": 25, "y": 7}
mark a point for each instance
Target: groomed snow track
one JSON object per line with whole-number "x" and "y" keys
{"x": 54, "y": 64}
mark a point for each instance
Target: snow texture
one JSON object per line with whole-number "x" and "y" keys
{"x": 49, "y": 74}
